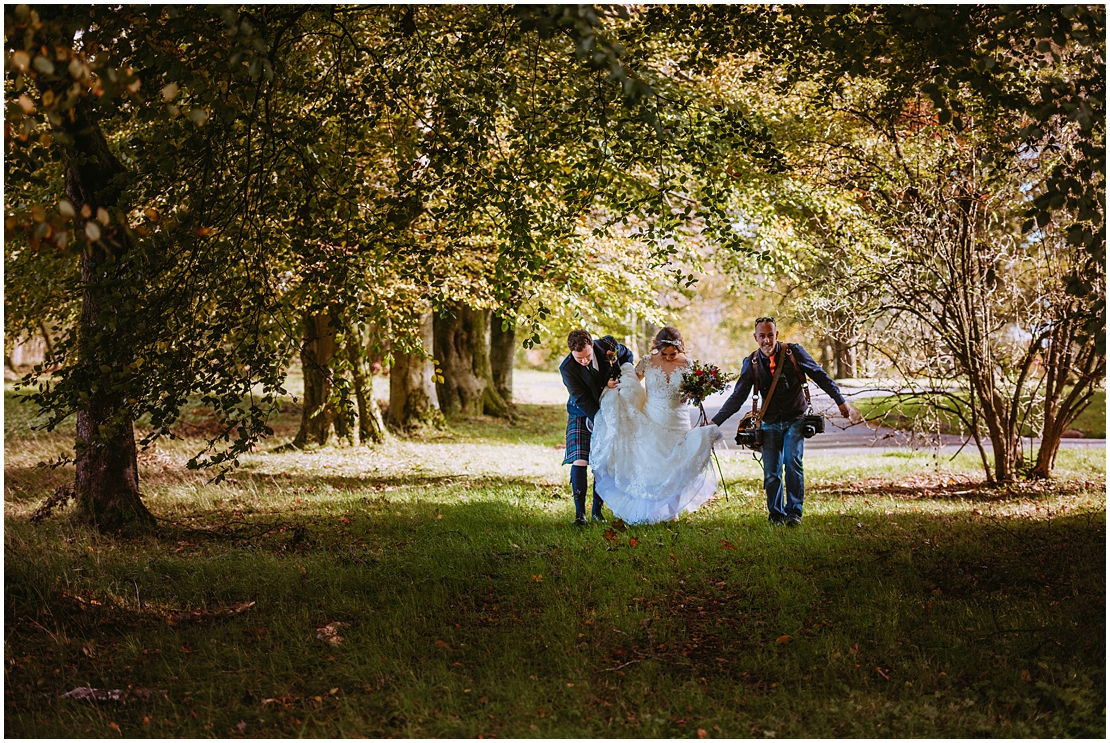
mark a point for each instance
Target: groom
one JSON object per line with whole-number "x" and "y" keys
{"x": 783, "y": 427}
{"x": 587, "y": 371}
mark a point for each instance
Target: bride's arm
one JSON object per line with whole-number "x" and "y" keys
{"x": 640, "y": 367}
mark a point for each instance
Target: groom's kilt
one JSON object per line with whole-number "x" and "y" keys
{"x": 578, "y": 439}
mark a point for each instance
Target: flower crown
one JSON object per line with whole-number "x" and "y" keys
{"x": 665, "y": 342}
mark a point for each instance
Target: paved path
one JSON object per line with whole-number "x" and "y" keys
{"x": 842, "y": 437}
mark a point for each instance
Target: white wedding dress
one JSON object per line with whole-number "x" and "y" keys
{"x": 649, "y": 465}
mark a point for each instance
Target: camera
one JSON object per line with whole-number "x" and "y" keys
{"x": 751, "y": 438}
{"x": 812, "y": 425}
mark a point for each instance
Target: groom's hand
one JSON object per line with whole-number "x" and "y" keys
{"x": 611, "y": 384}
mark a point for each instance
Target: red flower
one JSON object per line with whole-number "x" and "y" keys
{"x": 699, "y": 372}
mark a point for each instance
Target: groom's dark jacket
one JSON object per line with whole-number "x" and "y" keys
{"x": 788, "y": 401}
{"x": 585, "y": 387}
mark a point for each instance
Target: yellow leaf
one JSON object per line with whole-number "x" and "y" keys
{"x": 784, "y": 638}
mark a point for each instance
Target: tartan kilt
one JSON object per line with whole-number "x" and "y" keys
{"x": 578, "y": 439}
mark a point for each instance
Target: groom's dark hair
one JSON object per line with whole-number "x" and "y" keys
{"x": 578, "y": 340}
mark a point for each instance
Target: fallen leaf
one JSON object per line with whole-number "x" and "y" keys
{"x": 702, "y": 733}
{"x": 619, "y": 525}
{"x": 1025, "y": 675}
{"x": 241, "y": 726}
{"x": 221, "y": 611}
{"x": 329, "y": 633}
{"x": 633, "y": 541}
{"x": 443, "y": 644}
{"x": 537, "y": 578}
{"x": 727, "y": 545}
{"x": 783, "y": 639}
{"x": 115, "y": 727}
{"x": 609, "y": 535}
{"x": 881, "y": 673}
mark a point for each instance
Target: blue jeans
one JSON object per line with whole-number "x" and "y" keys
{"x": 783, "y": 444}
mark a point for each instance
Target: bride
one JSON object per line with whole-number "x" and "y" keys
{"x": 648, "y": 464}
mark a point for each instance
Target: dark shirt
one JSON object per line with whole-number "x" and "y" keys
{"x": 585, "y": 387}
{"x": 788, "y": 401}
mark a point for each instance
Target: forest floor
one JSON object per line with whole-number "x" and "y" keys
{"x": 435, "y": 587}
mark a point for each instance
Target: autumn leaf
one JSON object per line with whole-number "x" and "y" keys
{"x": 619, "y": 525}
{"x": 882, "y": 673}
{"x": 783, "y": 639}
{"x": 703, "y": 733}
{"x": 727, "y": 545}
{"x": 537, "y": 578}
{"x": 633, "y": 541}
{"x": 609, "y": 535}
{"x": 115, "y": 727}
{"x": 443, "y": 644}
{"x": 329, "y": 633}
{"x": 1025, "y": 675}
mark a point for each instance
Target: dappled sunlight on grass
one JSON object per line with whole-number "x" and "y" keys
{"x": 913, "y": 601}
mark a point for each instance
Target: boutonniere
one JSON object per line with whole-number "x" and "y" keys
{"x": 614, "y": 364}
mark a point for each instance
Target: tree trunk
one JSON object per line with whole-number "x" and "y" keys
{"x": 845, "y": 359}
{"x": 502, "y": 352}
{"x": 317, "y": 351}
{"x": 827, "y": 356}
{"x": 462, "y": 350}
{"x": 107, "y": 480}
{"x": 371, "y": 427}
{"x": 1066, "y": 361}
{"x": 413, "y": 401}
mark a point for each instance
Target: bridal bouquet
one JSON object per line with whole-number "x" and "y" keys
{"x": 701, "y": 381}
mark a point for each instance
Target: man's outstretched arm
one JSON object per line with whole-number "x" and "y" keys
{"x": 814, "y": 371}
{"x": 739, "y": 394}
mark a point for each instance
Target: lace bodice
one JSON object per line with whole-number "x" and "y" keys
{"x": 664, "y": 396}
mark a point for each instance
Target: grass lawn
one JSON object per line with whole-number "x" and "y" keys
{"x": 913, "y": 601}
{"x": 903, "y": 416}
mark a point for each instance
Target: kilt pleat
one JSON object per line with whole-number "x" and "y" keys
{"x": 578, "y": 439}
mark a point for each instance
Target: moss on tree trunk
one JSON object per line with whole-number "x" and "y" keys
{"x": 413, "y": 400}
{"x": 317, "y": 351}
{"x": 462, "y": 345}
{"x": 502, "y": 351}
{"x": 106, "y": 486}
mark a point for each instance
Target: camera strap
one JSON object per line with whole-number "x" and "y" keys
{"x": 774, "y": 382}
{"x": 800, "y": 373}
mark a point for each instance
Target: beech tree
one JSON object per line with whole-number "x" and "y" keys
{"x": 222, "y": 178}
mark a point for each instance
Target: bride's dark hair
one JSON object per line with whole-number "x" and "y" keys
{"x": 668, "y": 336}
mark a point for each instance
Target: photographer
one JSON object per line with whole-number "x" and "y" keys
{"x": 782, "y": 425}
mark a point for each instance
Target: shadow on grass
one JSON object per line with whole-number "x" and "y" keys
{"x": 443, "y": 604}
